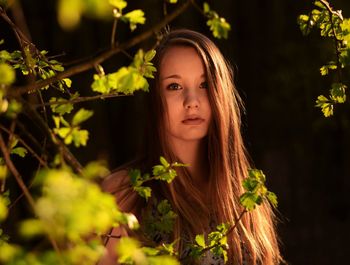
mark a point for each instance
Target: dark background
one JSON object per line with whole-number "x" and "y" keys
{"x": 304, "y": 155}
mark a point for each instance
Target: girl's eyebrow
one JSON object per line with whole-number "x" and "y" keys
{"x": 177, "y": 76}
{"x": 172, "y": 76}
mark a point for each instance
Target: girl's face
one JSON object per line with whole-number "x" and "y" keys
{"x": 184, "y": 88}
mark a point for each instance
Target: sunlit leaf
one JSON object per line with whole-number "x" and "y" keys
{"x": 135, "y": 17}
{"x": 81, "y": 116}
{"x": 20, "y": 151}
{"x": 200, "y": 240}
{"x": 7, "y": 74}
{"x": 3, "y": 209}
{"x": 120, "y": 4}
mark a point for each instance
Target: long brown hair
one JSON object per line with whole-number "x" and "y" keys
{"x": 228, "y": 163}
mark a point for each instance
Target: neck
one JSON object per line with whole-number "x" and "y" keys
{"x": 193, "y": 153}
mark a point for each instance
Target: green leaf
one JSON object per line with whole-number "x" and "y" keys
{"x": 272, "y": 198}
{"x": 57, "y": 67}
{"x": 81, "y": 116}
{"x": 135, "y": 175}
{"x": 100, "y": 84}
{"x": 170, "y": 248}
{"x": 56, "y": 120}
{"x": 217, "y": 24}
{"x": 134, "y": 17}
{"x": 80, "y": 137}
{"x": 324, "y": 70}
{"x": 95, "y": 169}
{"x": 30, "y": 228}
{"x": 338, "y": 92}
{"x": 67, "y": 81}
{"x": 3, "y": 172}
{"x": 14, "y": 108}
{"x": 200, "y": 240}
{"x": 5, "y": 56}
{"x": 149, "y": 55}
{"x": 249, "y": 200}
{"x": 128, "y": 249}
{"x": 144, "y": 192}
{"x": 14, "y": 142}
{"x": 325, "y": 105}
{"x": 7, "y": 74}
{"x": 164, "y": 207}
{"x": 20, "y": 151}
{"x": 120, "y": 4}
{"x": 60, "y": 108}
{"x": 164, "y": 162}
{"x": 3, "y": 209}
{"x": 206, "y": 7}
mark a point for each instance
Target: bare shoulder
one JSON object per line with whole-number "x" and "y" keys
{"x": 119, "y": 184}
{"x": 118, "y": 180}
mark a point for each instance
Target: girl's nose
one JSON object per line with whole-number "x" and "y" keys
{"x": 191, "y": 101}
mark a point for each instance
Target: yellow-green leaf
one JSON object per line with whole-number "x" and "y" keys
{"x": 120, "y": 4}
{"x": 7, "y": 74}
{"x": 81, "y": 116}
{"x": 135, "y": 17}
{"x": 20, "y": 151}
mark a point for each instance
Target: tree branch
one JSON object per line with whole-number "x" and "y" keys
{"x": 102, "y": 57}
{"x": 80, "y": 99}
{"x": 14, "y": 171}
{"x": 42, "y": 162}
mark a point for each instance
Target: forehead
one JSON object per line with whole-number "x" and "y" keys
{"x": 181, "y": 60}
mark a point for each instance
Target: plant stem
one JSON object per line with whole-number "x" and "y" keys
{"x": 42, "y": 162}
{"x": 80, "y": 99}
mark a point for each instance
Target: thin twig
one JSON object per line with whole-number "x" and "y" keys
{"x": 80, "y": 99}
{"x": 336, "y": 40}
{"x": 199, "y": 9}
{"x": 114, "y": 30}
{"x": 102, "y": 57}
{"x": 14, "y": 27}
{"x": 11, "y": 134}
{"x": 14, "y": 171}
{"x": 19, "y": 19}
{"x": 330, "y": 9}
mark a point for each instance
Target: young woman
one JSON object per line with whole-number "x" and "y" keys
{"x": 195, "y": 119}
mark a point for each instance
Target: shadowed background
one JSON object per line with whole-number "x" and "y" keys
{"x": 304, "y": 155}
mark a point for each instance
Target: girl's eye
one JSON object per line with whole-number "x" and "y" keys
{"x": 173, "y": 86}
{"x": 204, "y": 85}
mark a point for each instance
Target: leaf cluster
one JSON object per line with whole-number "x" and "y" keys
{"x": 162, "y": 172}
{"x": 256, "y": 191}
{"x": 331, "y": 24}
{"x": 215, "y": 242}
{"x": 218, "y": 25}
{"x": 159, "y": 221}
{"x": 71, "y": 132}
{"x": 129, "y": 79}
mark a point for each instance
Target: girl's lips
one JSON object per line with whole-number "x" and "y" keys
{"x": 194, "y": 121}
